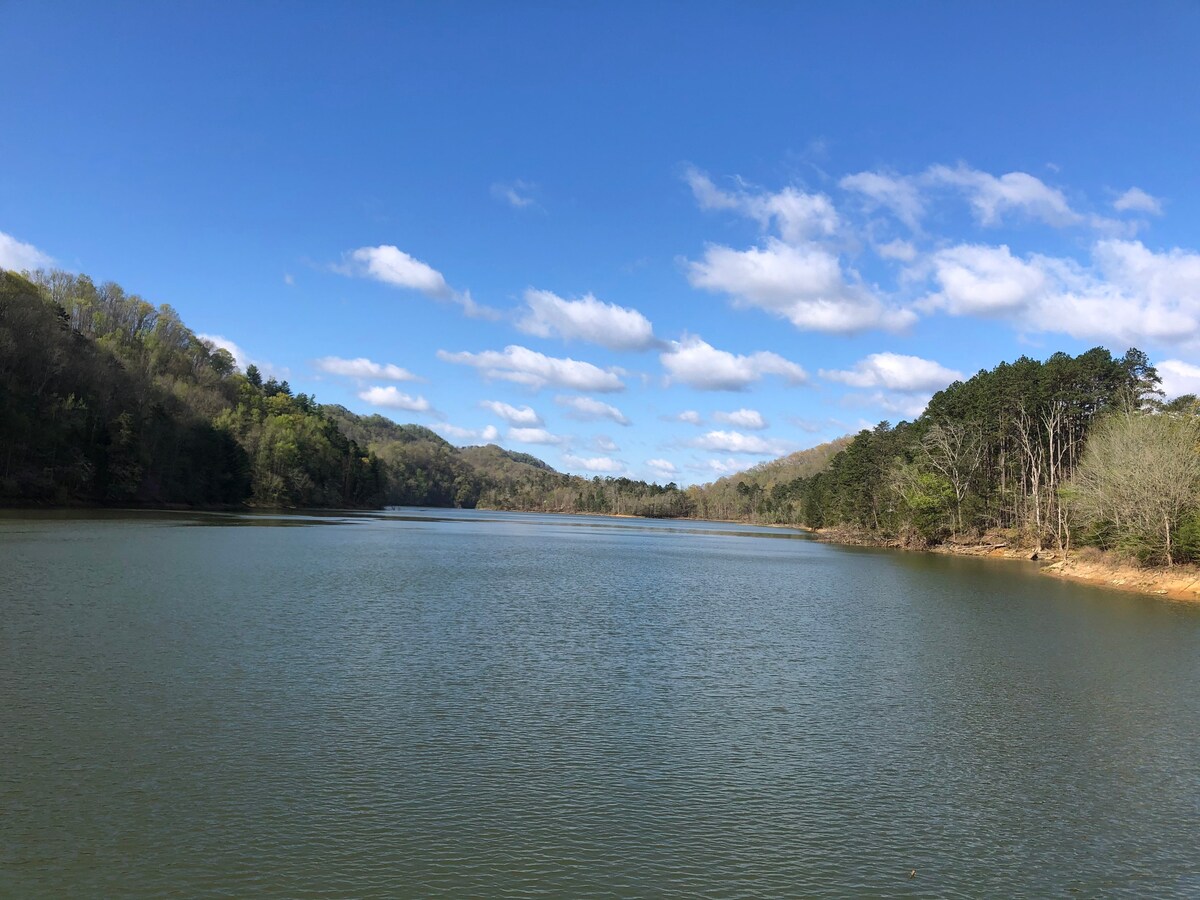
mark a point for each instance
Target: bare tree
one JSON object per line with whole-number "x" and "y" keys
{"x": 1138, "y": 479}
{"x": 954, "y": 450}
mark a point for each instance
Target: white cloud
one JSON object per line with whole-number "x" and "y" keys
{"x": 991, "y": 197}
{"x": 976, "y": 279}
{"x": 1130, "y": 294}
{"x": 896, "y": 193}
{"x": 536, "y": 370}
{"x": 524, "y": 415}
{"x": 736, "y": 442}
{"x": 593, "y": 463}
{"x": 586, "y": 319}
{"x": 19, "y": 256}
{"x": 1137, "y": 200}
{"x": 907, "y": 406}
{"x": 794, "y": 273}
{"x": 534, "y": 436}
{"x": 488, "y": 435}
{"x": 588, "y": 410}
{"x": 361, "y": 367}
{"x": 700, "y": 365}
{"x": 1178, "y": 378}
{"x": 515, "y": 193}
{"x": 244, "y": 359}
{"x": 808, "y": 425}
{"x": 391, "y": 398}
{"x": 795, "y": 214}
{"x": 234, "y": 350}
{"x": 895, "y": 372}
{"x": 691, "y": 417}
{"x": 605, "y": 444}
{"x": 663, "y": 468}
{"x": 904, "y": 251}
{"x": 391, "y": 265}
{"x": 742, "y": 418}
{"x": 804, "y": 284}
{"x": 727, "y": 466}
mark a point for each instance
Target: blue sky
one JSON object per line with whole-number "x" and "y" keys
{"x": 666, "y": 240}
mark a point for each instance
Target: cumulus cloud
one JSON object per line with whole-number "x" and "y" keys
{"x": 804, "y": 284}
{"x": 796, "y": 215}
{"x": 897, "y": 193}
{"x": 392, "y": 398}
{"x": 244, "y": 359}
{"x": 895, "y": 372}
{"x": 536, "y": 370}
{"x": 906, "y": 406}
{"x": 534, "y": 436}
{"x": 1137, "y": 200}
{"x": 1178, "y": 378}
{"x": 235, "y": 350}
{"x": 904, "y": 251}
{"x": 516, "y": 194}
{"x": 794, "y": 273}
{"x": 513, "y": 415}
{"x": 586, "y": 319}
{"x": 391, "y": 265}
{"x": 991, "y": 197}
{"x": 361, "y": 367}
{"x": 742, "y": 418}
{"x": 663, "y": 468}
{"x": 736, "y": 442}
{"x": 19, "y": 256}
{"x": 1129, "y": 294}
{"x": 593, "y": 463}
{"x": 588, "y": 410}
{"x": 984, "y": 280}
{"x": 488, "y": 434}
{"x": 690, "y": 416}
{"x": 700, "y": 365}
{"x": 720, "y": 467}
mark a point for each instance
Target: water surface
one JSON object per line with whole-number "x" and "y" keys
{"x": 422, "y": 703}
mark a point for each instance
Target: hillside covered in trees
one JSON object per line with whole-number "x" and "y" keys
{"x": 1073, "y": 450}
{"x": 108, "y": 399}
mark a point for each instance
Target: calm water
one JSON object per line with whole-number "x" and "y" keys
{"x": 478, "y": 704}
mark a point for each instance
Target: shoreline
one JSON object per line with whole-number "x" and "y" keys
{"x": 1179, "y": 583}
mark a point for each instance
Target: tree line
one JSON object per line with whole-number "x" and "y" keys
{"x": 1061, "y": 452}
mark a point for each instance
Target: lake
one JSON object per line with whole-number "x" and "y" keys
{"x": 473, "y": 704}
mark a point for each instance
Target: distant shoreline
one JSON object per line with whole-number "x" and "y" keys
{"x": 1180, "y": 583}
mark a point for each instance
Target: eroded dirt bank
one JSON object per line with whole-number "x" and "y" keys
{"x": 1089, "y": 567}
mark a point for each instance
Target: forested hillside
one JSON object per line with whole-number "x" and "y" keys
{"x": 765, "y": 492}
{"x": 1070, "y": 450}
{"x": 106, "y": 398}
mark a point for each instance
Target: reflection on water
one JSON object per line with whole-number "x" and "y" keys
{"x": 476, "y": 704}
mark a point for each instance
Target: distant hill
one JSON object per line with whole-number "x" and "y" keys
{"x": 762, "y": 493}
{"x": 801, "y": 464}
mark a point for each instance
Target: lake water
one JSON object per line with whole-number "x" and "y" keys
{"x": 466, "y": 704}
